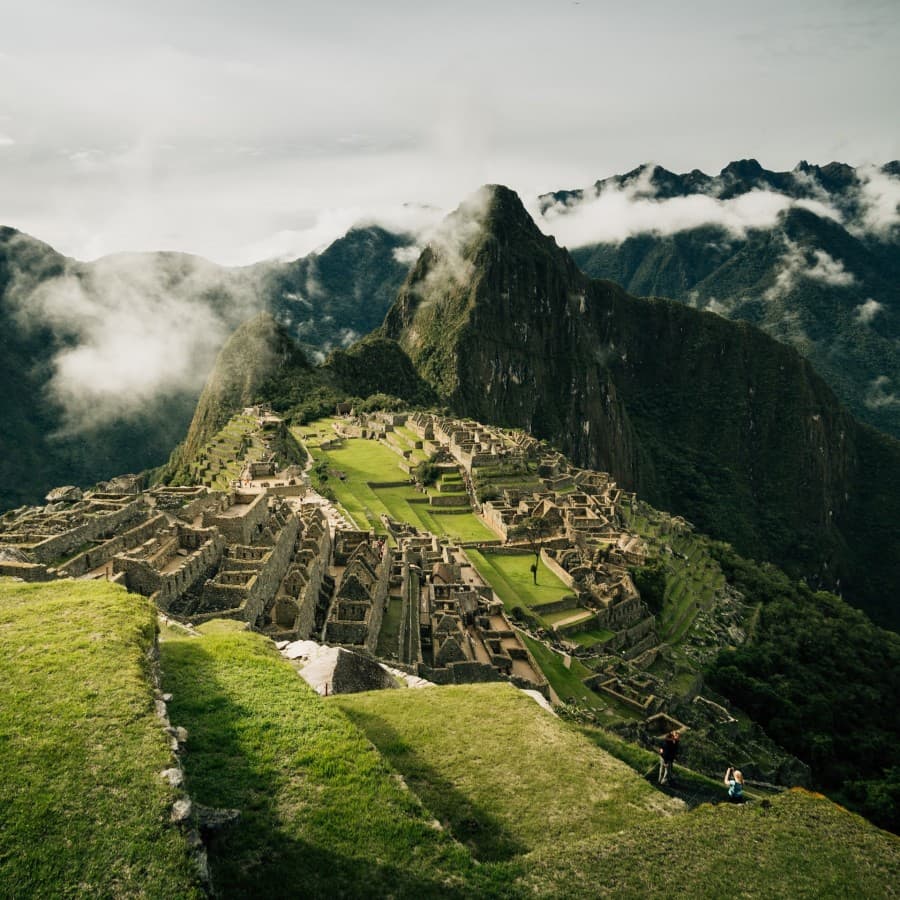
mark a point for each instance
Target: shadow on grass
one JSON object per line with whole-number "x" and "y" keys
{"x": 469, "y": 823}
{"x": 258, "y": 856}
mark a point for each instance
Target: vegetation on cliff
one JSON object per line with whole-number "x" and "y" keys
{"x": 823, "y": 682}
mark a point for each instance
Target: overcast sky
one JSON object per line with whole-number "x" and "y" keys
{"x": 241, "y": 130}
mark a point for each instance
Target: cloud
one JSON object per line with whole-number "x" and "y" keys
{"x": 866, "y": 312}
{"x": 131, "y": 329}
{"x": 616, "y": 213}
{"x": 407, "y": 255}
{"x": 6, "y": 140}
{"x": 879, "y": 195}
{"x": 450, "y": 241}
{"x": 879, "y": 396}
{"x": 817, "y": 265}
{"x": 329, "y": 224}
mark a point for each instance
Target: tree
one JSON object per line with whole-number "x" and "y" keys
{"x": 536, "y": 529}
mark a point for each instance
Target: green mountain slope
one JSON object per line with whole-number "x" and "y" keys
{"x": 830, "y": 289}
{"x": 707, "y": 417}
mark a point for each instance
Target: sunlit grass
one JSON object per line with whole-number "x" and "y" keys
{"x": 83, "y": 809}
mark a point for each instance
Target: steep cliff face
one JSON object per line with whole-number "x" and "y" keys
{"x": 709, "y": 418}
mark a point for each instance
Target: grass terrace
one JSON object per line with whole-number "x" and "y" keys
{"x": 505, "y": 777}
{"x": 511, "y": 577}
{"x": 364, "y": 463}
{"x": 322, "y": 813}
{"x": 83, "y": 809}
{"x": 566, "y": 681}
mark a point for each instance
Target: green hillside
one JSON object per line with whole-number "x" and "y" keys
{"x": 83, "y": 809}
{"x": 468, "y": 791}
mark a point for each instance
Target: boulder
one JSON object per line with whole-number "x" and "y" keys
{"x": 68, "y": 493}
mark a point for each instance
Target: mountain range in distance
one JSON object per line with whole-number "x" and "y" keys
{"x": 706, "y": 418}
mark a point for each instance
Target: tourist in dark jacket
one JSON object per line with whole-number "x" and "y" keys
{"x": 667, "y": 754}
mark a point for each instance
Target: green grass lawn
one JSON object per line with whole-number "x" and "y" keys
{"x": 589, "y": 638}
{"x": 505, "y": 777}
{"x": 511, "y": 578}
{"x": 322, "y": 814}
{"x": 796, "y": 845}
{"x": 363, "y": 462}
{"x": 83, "y": 809}
{"x": 566, "y": 682}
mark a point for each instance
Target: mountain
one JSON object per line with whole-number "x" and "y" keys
{"x": 332, "y": 298}
{"x": 103, "y": 362}
{"x": 39, "y": 444}
{"x": 823, "y": 275}
{"x": 707, "y": 417}
{"x": 262, "y": 362}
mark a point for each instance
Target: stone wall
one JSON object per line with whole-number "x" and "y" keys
{"x": 26, "y": 571}
{"x": 98, "y": 556}
{"x": 142, "y": 578}
{"x": 240, "y": 528}
{"x": 60, "y": 544}
{"x": 379, "y": 599}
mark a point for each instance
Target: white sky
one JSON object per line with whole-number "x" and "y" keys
{"x": 239, "y": 130}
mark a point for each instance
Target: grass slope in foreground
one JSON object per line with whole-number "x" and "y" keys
{"x": 504, "y": 775}
{"x": 513, "y": 782}
{"x": 322, "y": 814}
{"x": 83, "y": 810}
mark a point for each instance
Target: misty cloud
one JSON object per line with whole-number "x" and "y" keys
{"x": 879, "y": 394}
{"x": 406, "y": 256}
{"x": 133, "y": 329}
{"x": 616, "y": 213}
{"x": 866, "y": 312}
{"x": 817, "y": 265}
{"x": 880, "y": 201}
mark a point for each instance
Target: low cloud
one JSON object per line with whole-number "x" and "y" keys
{"x": 450, "y": 241}
{"x": 616, "y": 213}
{"x": 879, "y": 394}
{"x": 407, "y": 255}
{"x": 867, "y": 311}
{"x": 6, "y": 140}
{"x": 131, "y": 329}
{"x": 816, "y": 265}
{"x": 879, "y": 195}
{"x": 414, "y": 220}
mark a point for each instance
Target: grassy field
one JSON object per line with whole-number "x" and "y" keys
{"x": 796, "y": 845}
{"x": 503, "y": 775}
{"x": 511, "y": 578}
{"x": 565, "y": 682}
{"x": 83, "y": 810}
{"x": 363, "y": 462}
{"x": 322, "y": 814}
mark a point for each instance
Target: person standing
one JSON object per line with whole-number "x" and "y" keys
{"x": 734, "y": 781}
{"x": 667, "y": 754}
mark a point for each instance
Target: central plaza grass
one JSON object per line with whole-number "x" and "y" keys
{"x": 511, "y": 577}
{"x": 322, "y": 814}
{"x": 83, "y": 809}
{"x": 358, "y": 464}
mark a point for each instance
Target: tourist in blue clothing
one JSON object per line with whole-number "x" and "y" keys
{"x": 734, "y": 781}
